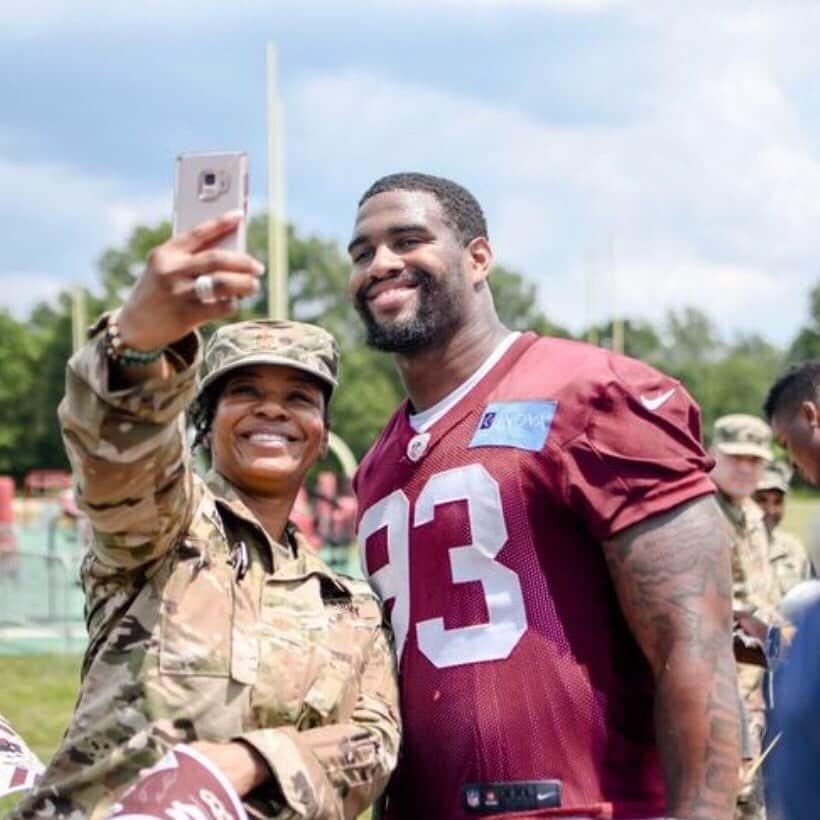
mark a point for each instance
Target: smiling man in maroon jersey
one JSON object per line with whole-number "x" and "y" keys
{"x": 539, "y": 519}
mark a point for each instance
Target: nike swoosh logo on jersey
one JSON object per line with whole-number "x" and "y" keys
{"x": 658, "y": 401}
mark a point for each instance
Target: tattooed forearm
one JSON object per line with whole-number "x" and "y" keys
{"x": 672, "y": 575}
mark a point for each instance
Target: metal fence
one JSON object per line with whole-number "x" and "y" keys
{"x": 41, "y": 602}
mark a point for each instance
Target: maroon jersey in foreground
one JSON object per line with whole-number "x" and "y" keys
{"x": 484, "y": 540}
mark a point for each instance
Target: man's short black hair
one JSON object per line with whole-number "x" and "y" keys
{"x": 798, "y": 384}
{"x": 461, "y": 209}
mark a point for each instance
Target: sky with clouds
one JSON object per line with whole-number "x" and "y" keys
{"x": 672, "y": 149}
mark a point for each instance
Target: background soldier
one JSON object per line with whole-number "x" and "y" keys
{"x": 741, "y": 449}
{"x": 787, "y": 555}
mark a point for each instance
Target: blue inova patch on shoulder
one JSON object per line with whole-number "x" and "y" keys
{"x": 522, "y": 424}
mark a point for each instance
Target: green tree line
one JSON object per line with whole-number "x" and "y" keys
{"x": 725, "y": 376}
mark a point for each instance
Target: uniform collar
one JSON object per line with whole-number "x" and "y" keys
{"x": 733, "y": 511}
{"x": 300, "y": 560}
{"x": 227, "y": 498}
{"x": 472, "y": 401}
{"x": 745, "y": 516}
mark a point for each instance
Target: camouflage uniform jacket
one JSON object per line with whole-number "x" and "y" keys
{"x": 186, "y": 643}
{"x": 789, "y": 560}
{"x": 754, "y": 587}
{"x": 753, "y": 590}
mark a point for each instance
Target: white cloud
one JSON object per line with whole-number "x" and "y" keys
{"x": 63, "y": 213}
{"x": 44, "y": 15}
{"x": 54, "y": 192}
{"x": 552, "y": 6}
{"x": 651, "y": 285}
{"x": 714, "y": 179}
{"x": 717, "y": 183}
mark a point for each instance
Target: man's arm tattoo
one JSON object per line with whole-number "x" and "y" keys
{"x": 673, "y": 579}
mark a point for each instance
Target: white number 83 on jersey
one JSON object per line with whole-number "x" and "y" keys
{"x": 476, "y": 561}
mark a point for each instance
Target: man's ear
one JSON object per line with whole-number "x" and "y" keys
{"x": 809, "y": 412}
{"x": 325, "y": 445}
{"x": 480, "y": 258}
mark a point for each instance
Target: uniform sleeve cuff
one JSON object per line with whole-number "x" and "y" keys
{"x": 155, "y": 399}
{"x": 297, "y": 777}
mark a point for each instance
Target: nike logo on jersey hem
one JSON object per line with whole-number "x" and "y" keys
{"x": 658, "y": 401}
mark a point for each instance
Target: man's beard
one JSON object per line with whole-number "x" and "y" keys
{"x": 436, "y": 317}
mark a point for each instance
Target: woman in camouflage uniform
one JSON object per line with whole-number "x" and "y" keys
{"x": 210, "y": 621}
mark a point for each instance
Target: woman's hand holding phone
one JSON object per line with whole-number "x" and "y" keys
{"x": 166, "y": 302}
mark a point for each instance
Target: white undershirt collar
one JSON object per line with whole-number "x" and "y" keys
{"x": 423, "y": 421}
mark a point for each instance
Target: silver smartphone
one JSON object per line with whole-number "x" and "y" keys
{"x": 209, "y": 185}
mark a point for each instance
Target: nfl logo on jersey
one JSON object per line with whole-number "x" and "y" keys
{"x": 417, "y": 445}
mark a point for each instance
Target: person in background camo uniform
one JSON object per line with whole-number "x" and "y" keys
{"x": 741, "y": 446}
{"x": 787, "y": 554}
{"x": 210, "y": 621}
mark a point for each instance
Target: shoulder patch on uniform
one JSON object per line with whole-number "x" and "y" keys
{"x": 522, "y": 424}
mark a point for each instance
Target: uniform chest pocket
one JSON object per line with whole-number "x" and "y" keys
{"x": 306, "y": 676}
{"x": 332, "y": 696}
{"x": 197, "y": 615}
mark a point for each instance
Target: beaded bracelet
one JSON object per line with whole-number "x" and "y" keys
{"x": 117, "y": 352}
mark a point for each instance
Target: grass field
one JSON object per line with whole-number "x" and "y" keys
{"x": 801, "y": 514}
{"x": 37, "y": 696}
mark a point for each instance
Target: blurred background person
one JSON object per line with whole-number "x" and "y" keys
{"x": 741, "y": 447}
{"x": 787, "y": 554}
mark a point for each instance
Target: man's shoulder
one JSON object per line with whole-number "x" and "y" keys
{"x": 581, "y": 368}
{"x": 588, "y": 383}
{"x": 565, "y": 357}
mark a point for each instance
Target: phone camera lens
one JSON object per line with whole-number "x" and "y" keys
{"x": 210, "y": 179}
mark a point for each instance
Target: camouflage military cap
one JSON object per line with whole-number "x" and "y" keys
{"x": 743, "y": 435}
{"x": 776, "y": 476}
{"x": 271, "y": 341}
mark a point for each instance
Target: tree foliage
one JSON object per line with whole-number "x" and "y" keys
{"x": 806, "y": 344}
{"x": 33, "y": 354}
{"x": 724, "y": 376}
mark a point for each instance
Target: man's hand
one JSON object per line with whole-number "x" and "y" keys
{"x": 673, "y": 579}
{"x": 749, "y": 625}
{"x": 163, "y": 306}
{"x": 749, "y": 638}
{"x": 240, "y": 764}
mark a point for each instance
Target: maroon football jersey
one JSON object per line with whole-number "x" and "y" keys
{"x": 483, "y": 536}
